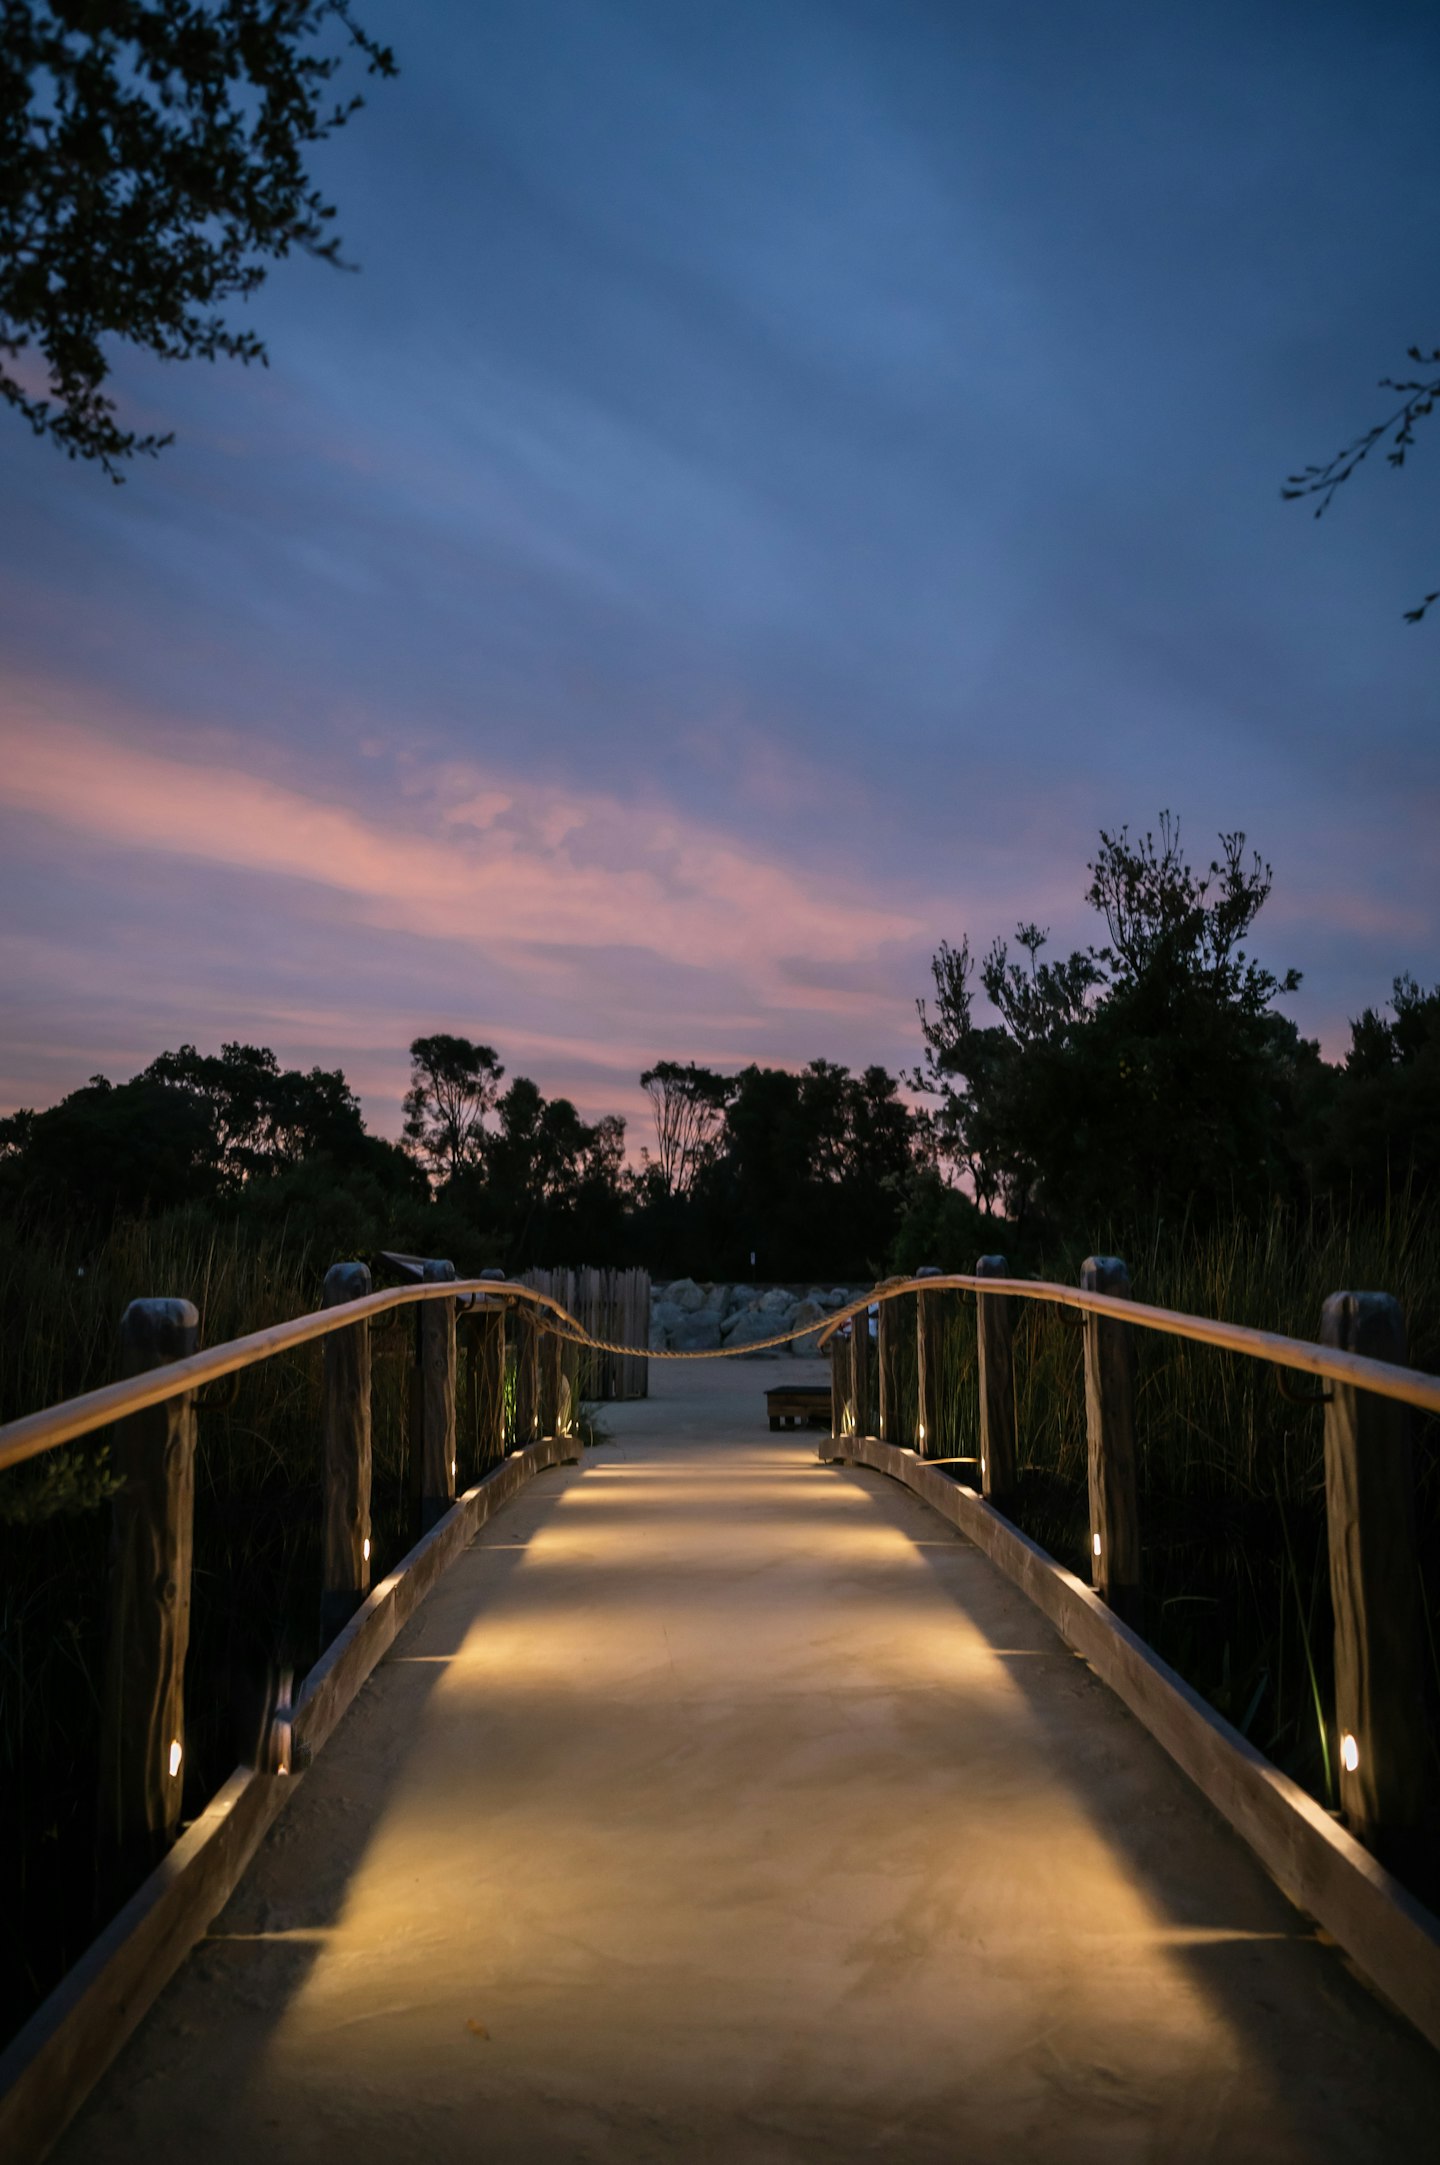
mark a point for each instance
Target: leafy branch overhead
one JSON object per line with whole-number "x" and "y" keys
{"x": 1418, "y": 397}
{"x": 152, "y": 158}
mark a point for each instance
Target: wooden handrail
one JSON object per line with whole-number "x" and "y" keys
{"x": 35, "y": 1433}
{"x": 54, "y": 1425}
{"x": 1410, "y": 1385}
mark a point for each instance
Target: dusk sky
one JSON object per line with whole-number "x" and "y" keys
{"x": 783, "y": 477}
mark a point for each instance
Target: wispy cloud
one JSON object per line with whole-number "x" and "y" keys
{"x": 341, "y": 910}
{"x": 466, "y": 855}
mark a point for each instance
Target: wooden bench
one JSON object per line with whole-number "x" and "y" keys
{"x": 793, "y": 1405}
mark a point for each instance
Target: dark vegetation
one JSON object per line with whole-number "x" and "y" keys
{"x": 153, "y": 154}
{"x": 1418, "y": 396}
{"x": 1145, "y": 1096}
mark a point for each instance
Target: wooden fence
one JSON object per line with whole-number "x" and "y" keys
{"x": 614, "y": 1307}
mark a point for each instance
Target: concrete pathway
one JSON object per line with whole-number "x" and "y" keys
{"x": 724, "y": 1806}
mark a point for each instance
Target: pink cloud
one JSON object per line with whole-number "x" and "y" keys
{"x": 538, "y": 868}
{"x": 584, "y": 934}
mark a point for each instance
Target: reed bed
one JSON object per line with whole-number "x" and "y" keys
{"x": 256, "y": 1588}
{"x": 1231, "y": 1494}
{"x": 1231, "y": 1477}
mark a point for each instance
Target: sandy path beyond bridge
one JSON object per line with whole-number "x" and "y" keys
{"x": 720, "y": 1805}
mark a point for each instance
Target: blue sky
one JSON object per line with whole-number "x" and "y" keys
{"x": 783, "y": 477}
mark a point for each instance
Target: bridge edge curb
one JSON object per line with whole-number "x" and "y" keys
{"x": 1319, "y": 1866}
{"x": 51, "y": 2065}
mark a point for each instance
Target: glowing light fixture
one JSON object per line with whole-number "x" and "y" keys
{"x": 1349, "y": 1753}
{"x": 176, "y": 1755}
{"x": 365, "y": 1548}
{"x": 452, "y": 1468}
{"x": 1097, "y": 1544}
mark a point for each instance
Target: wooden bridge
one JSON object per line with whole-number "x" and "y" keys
{"x": 699, "y": 1796}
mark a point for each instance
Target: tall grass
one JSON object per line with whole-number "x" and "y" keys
{"x": 1231, "y": 1497}
{"x": 1231, "y": 1477}
{"x": 257, "y": 1565}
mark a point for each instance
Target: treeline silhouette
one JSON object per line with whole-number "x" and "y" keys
{"x": 1149, "y": 1078}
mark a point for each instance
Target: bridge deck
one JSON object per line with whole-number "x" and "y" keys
{"x": 723, "y": 1806}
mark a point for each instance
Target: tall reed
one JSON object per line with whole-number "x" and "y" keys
{"x": 1231, "y": 1472}
{"x": 257, "y": 1543}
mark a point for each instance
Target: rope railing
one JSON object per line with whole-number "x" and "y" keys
{"x": 1376, "y": 1591}
{"x": 519, "y": 1396}
{"x": 45, "y": 1430}
{"x": 1411, "y": 1386}
{"x": 35, "y": 1433}
{"x": 1367, "y": 1451}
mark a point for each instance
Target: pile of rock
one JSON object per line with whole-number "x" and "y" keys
{"x": 690, "y": 1318}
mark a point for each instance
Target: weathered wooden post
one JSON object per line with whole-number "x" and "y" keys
{"x": 1374, "y": 1577}
{"x": 487, "y": 1377}
{"x": 893, "y": 1425}
{"x": 567, "y": 1390}
{"x": 550, "y": 1377}
{"x": 929, "y": 1440}
{"x": 1110, "y": 1424}
{"x": 995, "y": 1341}
{"x": 527, "y": 1374}
{"x": 436, "y": 1348}
{"x": 142, "y": 1723}
{"x": 345, "y": 1428}
{"x": 839, "y": 1393}
{"x": 860, "y": 1370}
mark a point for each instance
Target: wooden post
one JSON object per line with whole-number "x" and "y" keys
{"x": 929, "y": 1440}
{"x": 567, "y": 1418}
{"x": 527, "y": 1375}
{"x": 839, "y": 1378}
{"x": 893, "y": 1425}
{"x": 1110, "y": 1424}
{"x": 860, "y": 1370}
{"x": 1374, "y": 1577}
{"x": 345, "y": 1426}
{"x": 995, "y": 1340}
{"x": 142, "y": 1723}
{"x": 487, "y": 1380}
{"x": 550, "y": 1380}
{"x": 437, "y": 1400}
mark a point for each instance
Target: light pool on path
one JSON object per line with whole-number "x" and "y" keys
{"x": 721, "y": 1805}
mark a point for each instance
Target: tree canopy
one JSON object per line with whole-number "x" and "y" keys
{"x": 1147, "y": 1076}
{"x": 454, "y": 1085}
{"x": 153, "y": 162}
{"x": 1146, "y": 1073}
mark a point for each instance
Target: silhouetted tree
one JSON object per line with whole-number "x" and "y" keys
{"x": 1380, "y": 1131}
{"x": 454, "y": 1084}
{"x": 110, "y": 1149}
{"x": 263, "y": 1115}
{"x": 809, "y": 1171}
{"x": 152, "y": 159}
{"x": 689, "y": 1108}
{"x": 548, "y": 1187}
{"x": 1147, "y": 1074}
